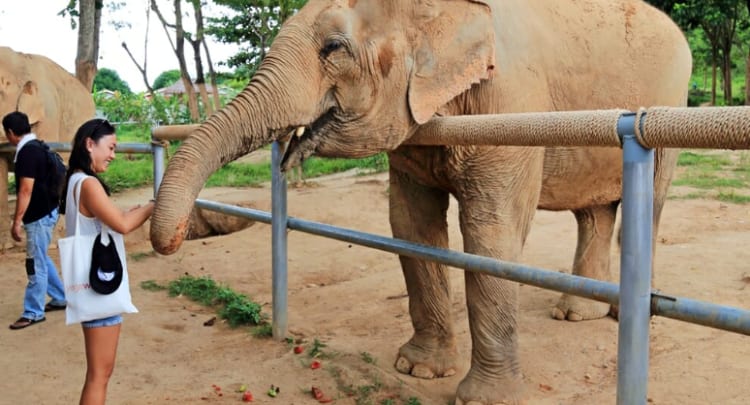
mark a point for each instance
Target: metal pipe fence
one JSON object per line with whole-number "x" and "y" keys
{"x": 636, "y": 299}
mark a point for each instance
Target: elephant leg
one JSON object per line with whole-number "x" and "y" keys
{"x": 665, "y": 161}
{"x": 418, "y": 214}
{"x": 595, "y": 229}
{"x": 495, "y": 225}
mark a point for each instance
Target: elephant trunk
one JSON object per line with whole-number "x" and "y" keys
{"x": 261, "y": 112}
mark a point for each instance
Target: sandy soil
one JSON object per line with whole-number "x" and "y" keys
{"x": 353, "y": 300}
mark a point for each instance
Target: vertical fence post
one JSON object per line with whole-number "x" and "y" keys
{"x": 278, "y": 244}
{"x": 635, "y": 266}
{"x": 157, "y": 152}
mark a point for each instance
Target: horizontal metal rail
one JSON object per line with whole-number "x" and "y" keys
{"x": 66, "y": 147}
{"x": 683, "y": 309}
{"x": 669, "y": 127}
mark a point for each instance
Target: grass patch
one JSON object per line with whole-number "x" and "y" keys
{"x": 367, "y": 358}
{"x": 137, "y": 256}
{"x": 151, "y": 285}
{"x": 236, "y": 308}
{"x": 731, "y": 197}
{"x": 700, "y": 159}
{"x": 724, "y": 176}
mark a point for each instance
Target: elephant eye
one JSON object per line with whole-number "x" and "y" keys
{"x": 330, "y": 46}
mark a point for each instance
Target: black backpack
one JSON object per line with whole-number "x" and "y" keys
{"x": 55, "y": 179}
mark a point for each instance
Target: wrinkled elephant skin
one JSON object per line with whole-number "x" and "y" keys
{"x": 54, "y": 100}
{"x": 357, "y": 77}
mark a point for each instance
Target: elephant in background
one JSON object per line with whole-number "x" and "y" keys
{"x": 55, "y": 101}
{"x": 357, "y": 77}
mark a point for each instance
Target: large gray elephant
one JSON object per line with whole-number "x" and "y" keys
{"x": 360, "y": 76}
{"x": 55, "y": 101}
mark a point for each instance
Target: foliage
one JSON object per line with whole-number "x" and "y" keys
{"x": 138, "y": 108}
{"x": 151, "y": 285}
{"x": 166, "y": 79}
{"x": 720, "y": 25}
{"x": 236, "y": 308}
{"x": 316, "y": 350}
{"x": 108, "y": 79}
{"x": 252, "y": 25}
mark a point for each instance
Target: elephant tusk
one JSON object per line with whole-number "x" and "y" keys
{"x": 300, "y": 130}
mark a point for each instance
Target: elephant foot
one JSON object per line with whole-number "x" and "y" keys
{"x": 573, "y": 308}
{"x": 421, "y": 363}
{"x": 490, "y": 391}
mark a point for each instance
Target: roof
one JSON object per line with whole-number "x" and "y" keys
{"x": 179, "y": 88}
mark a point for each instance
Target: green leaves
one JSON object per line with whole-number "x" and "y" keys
{"x": 253, "y": 26}
{"x": 236, "y": 308}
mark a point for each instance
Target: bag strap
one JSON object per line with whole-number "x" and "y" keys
{"x": 77, "y": 200}
{"x": 105, "y": 237}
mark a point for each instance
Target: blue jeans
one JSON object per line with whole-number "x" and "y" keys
{"x": 98, "y": 323}
{"x": 41, "y": 270}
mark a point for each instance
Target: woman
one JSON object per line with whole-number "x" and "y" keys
{"x": 93, "y": 150}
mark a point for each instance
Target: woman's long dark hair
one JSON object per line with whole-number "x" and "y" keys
{"x": 80, "y": 159}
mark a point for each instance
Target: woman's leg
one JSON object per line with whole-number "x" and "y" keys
{"x": 101, "y": 348}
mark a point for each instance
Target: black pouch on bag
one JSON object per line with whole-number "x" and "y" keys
{"x": 105, "y": 275}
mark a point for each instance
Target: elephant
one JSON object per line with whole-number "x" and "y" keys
{"x": 54, "y": 100}
{"x": 358, "y": 77}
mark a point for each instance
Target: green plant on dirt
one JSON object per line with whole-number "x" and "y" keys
{"x": 138, "y": 256}
{"x": 151, "y": 285}
{"x": 362, "y": 394}
{"x": 264, "y": 330}
{"x": 367, "y": 358}
{"x": 316, "y": 350}
{"x": 369, "y": 389}
{"x": 236, "y": 308}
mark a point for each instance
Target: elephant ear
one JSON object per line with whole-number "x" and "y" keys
{"x": 456, "y": 49}
{"x": 30, "y": 102}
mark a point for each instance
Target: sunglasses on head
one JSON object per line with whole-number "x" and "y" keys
{"x": 99, "y": 125}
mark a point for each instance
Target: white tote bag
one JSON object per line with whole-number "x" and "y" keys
{"x": 84, "y": 304}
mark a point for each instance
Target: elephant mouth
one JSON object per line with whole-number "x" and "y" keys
{"x": 303, "y": 140}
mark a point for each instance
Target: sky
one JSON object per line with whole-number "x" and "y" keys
{"x": 46, "y": 33}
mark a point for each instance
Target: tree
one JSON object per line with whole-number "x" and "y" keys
{"x": 142, "y": 68}
{"x": 718, "y": 20}
{"x": 178, "y": 47}
{"x": 89, "y": 15}
{"x": 108, "y": 79}
{"x": 253, "y": 27}
{"x": 166, "y": 79}
{"x": 196, "y": 41}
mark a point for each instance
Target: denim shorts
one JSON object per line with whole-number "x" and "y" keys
{"x": 98, "y": 323}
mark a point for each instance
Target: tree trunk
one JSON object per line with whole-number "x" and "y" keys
{"x": 88, "y": 42}
{"x": 212, "y": 75}
{"x": 713, "y": 83}
{"x": 180, "y": 52}
{"x": 727, "y": 76}
{"x": 179, "y": 49}
{"x": 200, "y": 78}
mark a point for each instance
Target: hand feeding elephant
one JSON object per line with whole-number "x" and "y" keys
{"x": 360, "y": 76}
{"x": 54, "y": 100}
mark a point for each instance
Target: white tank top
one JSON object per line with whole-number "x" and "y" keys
{"x": 89, "y": 226}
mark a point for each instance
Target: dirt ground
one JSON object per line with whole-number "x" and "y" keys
{"x": 353, "y": 300}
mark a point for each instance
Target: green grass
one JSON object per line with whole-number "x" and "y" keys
{"x": 236, "y": 308}
{"x": 136, "y": 170}
{"x": 720, "y": 175}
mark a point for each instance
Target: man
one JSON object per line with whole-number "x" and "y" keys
{"x": 36, "y": 212}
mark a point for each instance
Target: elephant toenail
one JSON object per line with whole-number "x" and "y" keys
{"x": 403, "y": 365}
{"x": 422, "y": 371}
